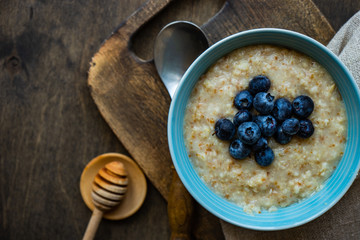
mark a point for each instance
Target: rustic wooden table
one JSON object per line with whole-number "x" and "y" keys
{"x": 49, "y": 125}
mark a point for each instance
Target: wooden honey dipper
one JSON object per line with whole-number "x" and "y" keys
{"x": 108, "y": 189}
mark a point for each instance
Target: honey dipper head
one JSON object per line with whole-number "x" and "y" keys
{"x": 109, "y": 186}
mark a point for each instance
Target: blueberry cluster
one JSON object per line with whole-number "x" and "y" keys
{"x": 278, "y": 118}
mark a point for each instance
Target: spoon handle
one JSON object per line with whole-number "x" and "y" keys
{"x": 93, "y": 224}
{"x": 180, "y": 210}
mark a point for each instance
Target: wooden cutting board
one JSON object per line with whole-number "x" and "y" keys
{"x": 133, "y": 100}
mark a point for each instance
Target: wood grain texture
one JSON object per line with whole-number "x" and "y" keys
{"x": 180, "y": 210}
{"x": 50, "y": 128}
{"x": 338, "y": 11}
{"x": 132, "y": 99}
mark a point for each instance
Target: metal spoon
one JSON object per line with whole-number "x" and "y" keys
{"x": 177, "y": 45}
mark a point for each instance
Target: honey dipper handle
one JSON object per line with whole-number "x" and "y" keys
{"x": 93, "y": 224}
{"x": 180, "y": 209}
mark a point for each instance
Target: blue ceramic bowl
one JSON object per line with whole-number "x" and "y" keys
{"x": 295, "y": 214}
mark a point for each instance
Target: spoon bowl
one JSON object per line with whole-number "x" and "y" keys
{"x": 177, "y": 45}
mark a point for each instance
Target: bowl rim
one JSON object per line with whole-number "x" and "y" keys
{"x": 183, "y": 82}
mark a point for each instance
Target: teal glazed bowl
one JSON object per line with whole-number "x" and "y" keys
{"x": 296, "y": 214}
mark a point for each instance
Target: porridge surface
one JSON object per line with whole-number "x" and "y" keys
{"x": 301, "y": 166}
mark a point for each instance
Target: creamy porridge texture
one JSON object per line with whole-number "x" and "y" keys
{"x": 301, "y": 166}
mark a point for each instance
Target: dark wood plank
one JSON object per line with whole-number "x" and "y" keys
{"x": 49, "y": 125}
{"x": 338, "y": 11}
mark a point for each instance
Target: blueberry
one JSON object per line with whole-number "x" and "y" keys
{"x": 282, "y": 137}
{"x": 238, "y": 149}
{"x": 303, "y": 106}
{"x": 224, "y": 129}
{"x": 290, "y": 126}
{"x": 242, "y": 116}
{"x": 259, "y": 145}
{"x": 264, "y": 157}
{"x": 243, "y": 100}
{"x": 264, "y": 102}
{"x": 267, "y": 125}
{"x": 259, "y": 84}
{"x": 306, "y": 128}
{"x": 249, "y": 132}
{"x": 282, "y": 109}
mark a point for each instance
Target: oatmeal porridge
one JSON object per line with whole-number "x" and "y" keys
{"x": 301, "y": 166}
